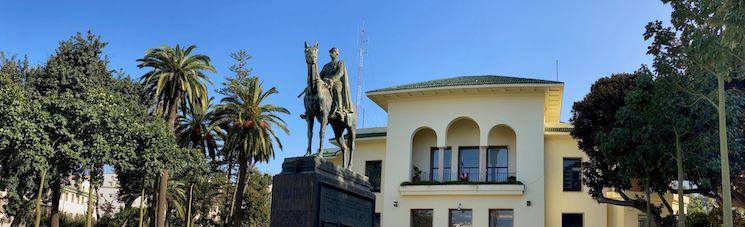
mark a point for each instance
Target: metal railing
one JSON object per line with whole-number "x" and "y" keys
{"x": 467, "y": 175}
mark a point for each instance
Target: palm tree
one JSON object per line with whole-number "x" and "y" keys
{"x": 194, "y": 129}
{"x": 250, "y": 130}
{"x": 177, "y": 78}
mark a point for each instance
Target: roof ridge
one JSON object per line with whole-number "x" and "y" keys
{"x": 467, "y": 80}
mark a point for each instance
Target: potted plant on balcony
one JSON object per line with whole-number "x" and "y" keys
{"x": 416, "y": 174}
{"x": 463, "y": 177}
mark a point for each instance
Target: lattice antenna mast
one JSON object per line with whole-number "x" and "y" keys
{"x": 360, "y": 66}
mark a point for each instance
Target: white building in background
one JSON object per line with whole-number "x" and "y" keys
{"x": 74, "y": 198}
{"x": 109, "y": 192}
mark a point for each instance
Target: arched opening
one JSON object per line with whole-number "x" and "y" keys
{"x": 424, "y": 141}
{"x": 463, "y": 139}
{"x": 501, "y": 154}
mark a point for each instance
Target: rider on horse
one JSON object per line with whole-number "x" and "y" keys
{"x": 334, "y": 74}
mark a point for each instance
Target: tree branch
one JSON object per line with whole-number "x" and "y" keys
{"x": 667, "y": 205}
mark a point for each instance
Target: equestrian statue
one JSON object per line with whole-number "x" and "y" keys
{"x": 328, "y": 101}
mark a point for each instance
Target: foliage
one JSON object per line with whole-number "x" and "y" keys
{"x": 23, "y": 143}
{"x": 177, "y": 78}
{"x": 711, "y": 218}
{"x": 66, "y": 220}
{"x": 249, "y": 123}
{"x": 195, "y": 130}
{"x": 699, "y": 204}
{"x": 257, "y": 205}
{"x": 596, "y": 114}
{"x": 73, "y": 117}
{"x": 629, "y": 132}
{"x": 635, "y": 141}
{"x": 707, "y": 38}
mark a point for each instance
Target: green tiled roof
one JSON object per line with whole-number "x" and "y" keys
{"x": 371, "y": 132}
{"x": 330, "y": 152}
{"x": 468, "y": 80}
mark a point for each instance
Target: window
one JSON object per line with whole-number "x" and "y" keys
{"x": 496, "y": 164}
{"x": 500, "y": 218}
{"x": 372, "y": 171}
{"x": 421, "y": 218}
{"x": 572, "y": 180}
{"x": 571, "y": 220}
{"x": 434, "y": 165}
{"x": 468, "y": 158}
{"x": 642, "y": 219}
{"x": 460, "y": 218}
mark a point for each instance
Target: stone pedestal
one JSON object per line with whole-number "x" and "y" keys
{"x": 312, "y": 192}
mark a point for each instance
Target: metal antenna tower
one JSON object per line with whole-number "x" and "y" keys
{"x": 360, "y": 66}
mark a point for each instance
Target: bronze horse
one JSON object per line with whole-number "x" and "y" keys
{"x": 318, "y": 104}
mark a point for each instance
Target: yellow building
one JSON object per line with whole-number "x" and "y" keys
{"x": 495, "y": 141}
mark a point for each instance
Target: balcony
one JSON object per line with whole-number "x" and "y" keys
{"x": 491, "y": 183}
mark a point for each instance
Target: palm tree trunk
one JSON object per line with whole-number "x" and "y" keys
{"x": 724, "y": 153}
{"x": 37, "y": 221}
{"x": 232, "y": 199}
{"x": 173, "y": 111}
{"x": 142, "y": 208}
{"x": 188, "y": 211}
{"x": 89, "y": 213}
{"x": 162, "y": 190}
{"x": 242, "y": 163}
{"x": 229, "y": 183}
{"x": 171, "y": 121}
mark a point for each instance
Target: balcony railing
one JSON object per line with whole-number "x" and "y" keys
{"x": 466, "y": 175}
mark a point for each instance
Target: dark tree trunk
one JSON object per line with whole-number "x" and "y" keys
{"x": 98, "y": 211}
{"x": 56, "y": 194}
{"x": 153, "y": 207}
{"x": 242, "y": 163}
{"x": 162, "y": 190}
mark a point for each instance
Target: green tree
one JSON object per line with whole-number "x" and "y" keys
{"x": 652, "y": 132}
{"x": 23, "y": 143}
{"x": 711, "y": 34}
{"x": 177, "y": 78}
{"x": 72, "y": 89}
{"x": 257, "y": 203}
{"x": 250, "y": 132}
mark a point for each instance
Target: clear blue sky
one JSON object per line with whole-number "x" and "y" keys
{"x": 408, "y": 41}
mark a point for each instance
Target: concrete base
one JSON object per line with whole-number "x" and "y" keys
{"x": 313, "y": 192}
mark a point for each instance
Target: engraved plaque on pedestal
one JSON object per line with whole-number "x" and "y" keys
{"x": 312, "y": 192}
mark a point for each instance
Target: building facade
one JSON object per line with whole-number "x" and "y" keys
{"x": 74, "y": 199}
{"x": 477, "y": 151}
